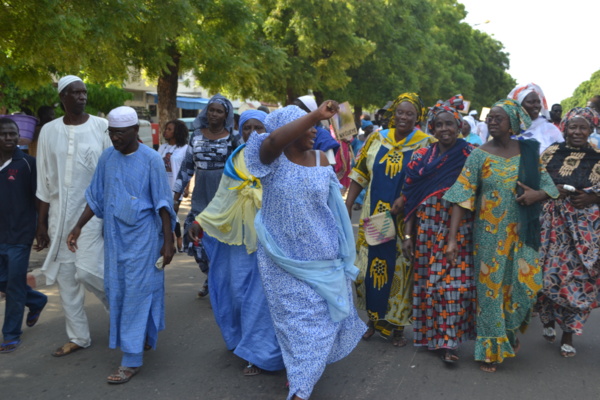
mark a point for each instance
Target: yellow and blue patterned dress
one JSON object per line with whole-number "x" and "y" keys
{"x": 384, "y": 284}
{"x": 508, "y": 271}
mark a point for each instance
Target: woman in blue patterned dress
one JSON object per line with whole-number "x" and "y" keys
{"x": 306, "y": 251}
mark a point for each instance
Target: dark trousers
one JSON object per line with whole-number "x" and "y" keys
{"x": 14, "y": 260}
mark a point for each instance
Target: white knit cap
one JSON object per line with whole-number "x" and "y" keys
{"x": 309, "y": 102}
{"x": 66, "y": 81}
{"x": 122, "y": 117}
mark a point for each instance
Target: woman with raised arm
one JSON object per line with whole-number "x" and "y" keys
{"x": 306, "y": 252}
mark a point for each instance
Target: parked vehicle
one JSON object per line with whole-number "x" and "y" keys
{"x": 145, "y": 133}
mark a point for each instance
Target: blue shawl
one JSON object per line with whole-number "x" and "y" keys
{"x": 327, "y": 277}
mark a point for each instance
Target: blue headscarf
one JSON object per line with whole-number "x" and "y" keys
{"x": 282, "y": 116}
{"x": 251, "y": 114}
{"x": 201, "y": 120}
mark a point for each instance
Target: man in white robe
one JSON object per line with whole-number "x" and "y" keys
{"x": 68, "y": 151}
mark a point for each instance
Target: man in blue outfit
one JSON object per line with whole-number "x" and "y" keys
{"x": 17, "y": 230}
{"x": 130, "y": 191}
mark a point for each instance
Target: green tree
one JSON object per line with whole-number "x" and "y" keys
{"x": 585, "y": 91}
{"x": 320, "y": 41}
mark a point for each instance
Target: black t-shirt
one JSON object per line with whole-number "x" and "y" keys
{"x": 18, "y": 216}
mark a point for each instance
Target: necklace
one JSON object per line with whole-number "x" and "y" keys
{"x": 217, "y": 132}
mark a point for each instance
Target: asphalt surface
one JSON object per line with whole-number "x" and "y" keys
{"x": 191, "y": 362}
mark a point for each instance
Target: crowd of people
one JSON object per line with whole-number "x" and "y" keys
{"x": 465, "y": 231}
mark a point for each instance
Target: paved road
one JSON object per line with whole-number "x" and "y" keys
{"x": 191, "y": 362}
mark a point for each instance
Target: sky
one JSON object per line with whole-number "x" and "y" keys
{"x": 554, "y": 43}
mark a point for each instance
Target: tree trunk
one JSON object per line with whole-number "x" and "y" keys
{"x": 167, "y": 91}
{"x": 357, "y": 114}
{"x": 290, "y": 96}
{"x": 318, "y": 97}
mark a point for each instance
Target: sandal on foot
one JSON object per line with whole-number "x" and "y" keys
{"x": 32, "y": 317}
{"x": 550, "y": 334}
{"x": 123, "y": 375}
{"x": 66, "y": 349}
{"x": 566, "y": 350}
{"x": 517, "y": 346}
{"x": 449, "y": 356}
{"x": 398, "y": 338}
{"x": 9, "y": 347}
{"x": 370, "y": 331}
{"x": 488, "y": 367}
{"x": 204, "y": 291}
{"x": 251, "y": 370}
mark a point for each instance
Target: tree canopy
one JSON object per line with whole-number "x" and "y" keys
{"x": 585, "y": 91}
{"x": 273, "y": 50}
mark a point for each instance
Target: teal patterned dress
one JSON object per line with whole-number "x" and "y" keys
{"x": 507, "y": 271}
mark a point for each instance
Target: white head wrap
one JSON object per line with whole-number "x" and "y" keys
{"x": 122, "y": 117}
{"x": 309, "y": 102}
{"x": 66, "y": 81}
{"x": 521, "y": 91}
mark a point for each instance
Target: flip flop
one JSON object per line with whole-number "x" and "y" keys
{"x": 9, "y": 347}
{"x": 122, "y": 375}
{"x": 66, "y": 349}
{"x": 33, "y": 316}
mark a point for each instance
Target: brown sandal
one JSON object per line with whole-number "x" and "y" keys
{"x": 488, "y": 367}
{"x": 370, "y": 330}
{"x": 66, "y": 349}
{"x": 398, "y": 338}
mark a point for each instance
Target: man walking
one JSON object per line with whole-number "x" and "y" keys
{"x": 17, "y": 229}
{"x": 131, "y": 193}
{"x": 68, "y": 151}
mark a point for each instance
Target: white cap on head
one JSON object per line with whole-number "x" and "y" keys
{"x": 122, "y": 117}
{"x": 309, "y": 102}
{"x": 473, "y": 112}
{"x": 66, "y": 81}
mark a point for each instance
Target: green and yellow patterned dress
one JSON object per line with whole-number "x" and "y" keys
{"x": 384, "y": 284}
{"x": 508, "y": 272}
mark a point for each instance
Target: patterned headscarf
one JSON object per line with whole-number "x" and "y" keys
{"x": 519, "y": 118}
{"x": 413, "y": 99}
{"x": 521, "y": 91}
{"x": 442, "y": 108}
{"x": 201, "y": 120}
{"x": 587, "y": 113}
{"x": 283, "y": 116}
{"x": 251, "y": 114}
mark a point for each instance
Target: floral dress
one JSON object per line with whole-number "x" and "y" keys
{"x": 570, "y": 251}
{"x": 296, "y": 213}
{"x": 508, "y": 272}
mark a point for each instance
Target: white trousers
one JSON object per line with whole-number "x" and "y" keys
{"x": 72, "y": 282}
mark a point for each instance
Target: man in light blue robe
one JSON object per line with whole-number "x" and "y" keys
{"x": 130, "y": 192}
